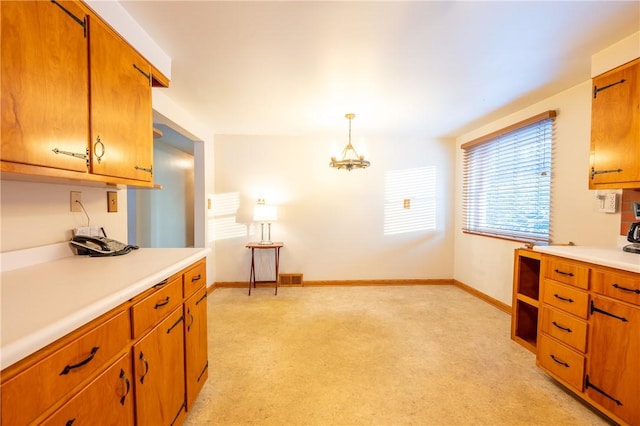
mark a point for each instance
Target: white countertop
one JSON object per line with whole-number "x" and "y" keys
{"x": 43, "y": 302}
{"x": 612, "y": 257}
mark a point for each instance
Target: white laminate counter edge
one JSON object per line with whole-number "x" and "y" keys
{"x": 612, "y": 257}
{"x": 16, "y": 347}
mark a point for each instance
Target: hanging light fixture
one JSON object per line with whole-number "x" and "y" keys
{"x": 350, "y": 157}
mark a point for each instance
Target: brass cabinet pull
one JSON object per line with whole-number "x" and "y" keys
{"x": 97, "y": 145}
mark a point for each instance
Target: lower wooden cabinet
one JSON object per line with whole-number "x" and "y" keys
{"x": 159, "y": 373}
{"x": 109, "y": 398}
{"x": 142, "y": 363}
{"x": 195, "y": 346}
{"x": 589, "y": 334}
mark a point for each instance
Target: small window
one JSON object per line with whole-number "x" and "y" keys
{"x": 507, "y": 181}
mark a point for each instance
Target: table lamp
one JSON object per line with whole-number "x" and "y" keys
{"x": 265, "y": 214}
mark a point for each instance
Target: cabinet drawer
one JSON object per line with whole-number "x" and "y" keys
{"x": 108, "y": 398}
{"x": 153, "y": 308}
{"x": 624, "y": 287}
{"x": 567, "y": 271}
{"x": 566, "y": 298}
{"x": 564, "y": 363}
{"x": 564, "y": 327}
{"x": 63, "y": 370}
{"x": 195, "y": 277}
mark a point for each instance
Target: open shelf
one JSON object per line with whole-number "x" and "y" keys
{"x": 526, "y": 291}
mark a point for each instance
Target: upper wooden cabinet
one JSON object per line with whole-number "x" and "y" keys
{"x": 615, "y": 128}
{"x": 45, "y": 84}
{"x": 121, "y": 122}
{"x": 76, "y": 97}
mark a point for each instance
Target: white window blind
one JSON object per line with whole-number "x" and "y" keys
{"x": 507, "y": 181}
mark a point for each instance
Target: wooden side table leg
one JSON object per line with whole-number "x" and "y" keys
{"x": 252, "y": 274}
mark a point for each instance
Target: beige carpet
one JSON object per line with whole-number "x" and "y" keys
{"x": 405, "y": 355}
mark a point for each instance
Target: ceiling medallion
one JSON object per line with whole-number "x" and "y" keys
{"x": 350, "y": 157}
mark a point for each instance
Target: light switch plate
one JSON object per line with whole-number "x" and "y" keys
{"x": 112, "y": 202}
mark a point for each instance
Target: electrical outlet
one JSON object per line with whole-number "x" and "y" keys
{"x": 75, "y": 200}
{"x": 610, "y": 204}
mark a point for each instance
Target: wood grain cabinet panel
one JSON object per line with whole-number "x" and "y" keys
{"x": 566, "y": 298}
{"x": 619, "y": 285}
{"x": 615, "y": 128}
{"x": 121, "y": 115}
{"x": 109, "y": 398}
{"x": 159, "y": 373}
{"x": 63, "y": 370}
{"x": 196, "y": 353}
{"x": 194, "y": 278}
{"x": 613, "y": 370}
{"x": 564, "y": 363}
{"x": 45, "y": 83}
{"x": 564, "y": 327}
{"x": 566, "y": 272}
{"x": 155, "y": 306}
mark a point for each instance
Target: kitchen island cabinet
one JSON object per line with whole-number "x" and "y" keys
{"x": 589, "y": 323}
{"x": 139, "y": 369}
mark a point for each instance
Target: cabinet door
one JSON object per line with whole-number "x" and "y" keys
{"x": 615, "y": 126}
{"x": 45, "y": 84}
{"x": 159, "y": 373}
{"x": 121, "y": 120}
{"x": 108, "y": 400}
{"x": 196, "y": 344}
{"x": 613, "y": 370}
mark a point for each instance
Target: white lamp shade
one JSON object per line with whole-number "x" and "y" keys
{"x": 265, "y": 213}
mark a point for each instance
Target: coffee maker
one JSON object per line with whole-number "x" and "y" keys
{"x": 633, "y": 236}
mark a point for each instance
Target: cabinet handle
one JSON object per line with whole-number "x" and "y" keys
{"x": 206, "y": 367}
{"x": 595, "y": 172}
{"x": 204, "y": 296}
{"x": 175, "y": 323}
{"x": 148, "y": 170}
{"x": 68, "y": 368}
{"x": 70, "y": 422}
{"x": 124, "y": 378}
{"x": 566, "y": 274}
{"x": 588, "y": 385}
{"x": 631, "y": 290}
{"x": 564, "y": 299}
{"x": 593, "y": 309}
{"x": 597, "y": 89}
{"x": 97, "y": 145}
{"x": 146, "y": 366}
{"x": 163, "y": 303}
{"x": 191, "y": 319}
{"x": 161, "y": 283}
{"x": 196, "y": 278}
{"x": 568, "y": 330}
{"x": 564, "y": 364}
{"x": 141, "y": 71}
{"x": 84, "y": 156}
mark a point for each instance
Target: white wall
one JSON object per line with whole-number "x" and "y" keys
{"x": 331, "y": 221}
{"x": 486, "y": 263}
{"x": 37, "y": 214}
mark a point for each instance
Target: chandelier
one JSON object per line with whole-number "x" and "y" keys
{"x": 350, "y": 157}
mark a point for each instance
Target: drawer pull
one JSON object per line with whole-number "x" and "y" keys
{"x": 175, "y": 324}
{"x": 123, "y": 377}
{"x": 68, "y": 368}
{"x": 564, "y": 299}
{"x": 568, "y": 330}
{"x": 556, "y": 360}
{"x": 595, "y": 309}
{"x": 161, "y": 283}
{"x": 631, "y": 290}
{"x": 163, "y": 303}
{"x": 566, "y": 274}
{"x": 146, "y": 366}
{"x": 70, "y": 422}
{"x": 588, "y": 385}
{"x": 204, "y": 296}
{"x": 196, "y": 278}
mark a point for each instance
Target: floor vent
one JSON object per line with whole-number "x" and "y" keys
{"x": 291, "y": 279}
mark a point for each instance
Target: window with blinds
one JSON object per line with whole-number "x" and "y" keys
{"x": 507, "y": 181}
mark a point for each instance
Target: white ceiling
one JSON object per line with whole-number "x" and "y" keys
{"x": 425, "y": 69}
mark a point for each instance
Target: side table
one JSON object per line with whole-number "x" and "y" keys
{"x": 252, "y": 276}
